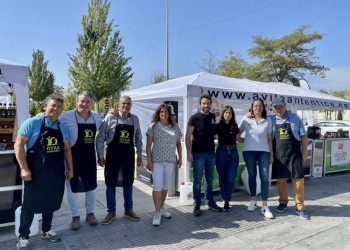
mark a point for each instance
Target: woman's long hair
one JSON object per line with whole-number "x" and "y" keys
{"x": 232, "y": 121}
{"x": 264, "y": 112}
{"x": 156, "y": 118}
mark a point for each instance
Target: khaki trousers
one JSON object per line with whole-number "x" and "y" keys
{"x": 298, "y": 187}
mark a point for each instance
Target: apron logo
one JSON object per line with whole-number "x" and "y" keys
{"x": 88, "y": 133}
{"x": 124, "y": 137}
{"x": 284, "y": 134}
{"x": 88, "y": 136}
{"x": 52, "y": 145}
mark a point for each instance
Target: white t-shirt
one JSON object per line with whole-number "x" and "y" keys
{"x": 164, "y": 141}
{"x": 256, "y": 134}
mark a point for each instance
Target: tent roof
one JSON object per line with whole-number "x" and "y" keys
{"x": 240, "y": 90}
{"x": 12, "y": 72}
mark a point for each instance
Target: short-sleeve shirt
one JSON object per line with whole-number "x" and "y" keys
{"x": 203, "y": 133}
{"x": 164, "y": 141}
{"x": 30, "y": 129}
{"x": 226, "y": 133}
{"x": 256, "y": 135}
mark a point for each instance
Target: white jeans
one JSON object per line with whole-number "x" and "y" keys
{"x": 73, "y": 201}
{"x": 161, "y": 175}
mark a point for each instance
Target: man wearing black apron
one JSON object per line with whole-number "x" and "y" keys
{"x": 290, "y": 151}
{"x": 42, "y": 168}
{"x": 121, "y": 133}
{"x": 82, "y": 124}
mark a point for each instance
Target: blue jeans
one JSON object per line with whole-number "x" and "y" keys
{"x": 111, "y": 200}
{"x": 226, "y": 165}
{"x": 73, "y": 201}
{"x": 203, "y": 161}
{"x": 251, "y": 158}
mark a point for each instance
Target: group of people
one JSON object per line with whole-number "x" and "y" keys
{"x": 57, "y": 150}
{"x": 279, "y": 139}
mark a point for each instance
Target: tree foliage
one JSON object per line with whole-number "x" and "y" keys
{"x": 158, "y": 77}
{"x": 41, "y": 79}
{"x": 99, "y": 65}
{"x": 233, "y": 65}
{"x": 288, "y": 58}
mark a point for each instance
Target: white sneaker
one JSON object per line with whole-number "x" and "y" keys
{"x": 156, "y": 219}
{"x": 165, "y": 213}
{"x": 266, "y": 212}
{"x": 22, "y": 243}
{"x": 252, "y": 206}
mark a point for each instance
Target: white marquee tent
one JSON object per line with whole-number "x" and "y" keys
{"x": 238, "y": 93}
{"x": 227, "y": 91}
{"x": 14, "y": 80}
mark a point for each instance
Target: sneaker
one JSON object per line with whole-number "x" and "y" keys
{"x": 214, "y": 207}
{"x": 227, "y": 206}
{"x": 252, "y": 206}
{"x": 131, "y": 215}
{"x": 22, "y": 243}
{"x": 108, "y": 219}
{"x": 197, "y": 210}
{"x": 90, "y": 218}
{"x": 302, "y": 214}
{"x": 51, "y": 236}
{"x": 266, "y": 212}
{"x": 281, "y": 208}
{"x": 165, "y": 213}
{"x": 156, "y": 219}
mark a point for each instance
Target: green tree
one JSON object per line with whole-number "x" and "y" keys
{"x": 288, "y": 58}
{"x": 233, "y": 65}
{"x": 41, "y": 79}
{"x": 99, "y": 65}
{"x": 69, "y": 98}
{"x": 158, "y": 77}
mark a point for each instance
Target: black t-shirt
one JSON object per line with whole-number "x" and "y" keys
{"x": 226, "y": 133}
{"x": 203, "y": 133}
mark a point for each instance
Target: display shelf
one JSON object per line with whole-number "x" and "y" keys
{"x": 7, "y": 119}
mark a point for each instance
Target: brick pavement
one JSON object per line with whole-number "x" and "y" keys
{"x": 327, "y": 201}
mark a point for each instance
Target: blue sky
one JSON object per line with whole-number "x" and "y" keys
{"x": 194, "y": 27}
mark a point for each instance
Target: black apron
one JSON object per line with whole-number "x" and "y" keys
{"x": 84, "y": 159}
{"x": 120, "y": 157}
{"x": 287, "y": 153}
{"x": 45, "y": 159}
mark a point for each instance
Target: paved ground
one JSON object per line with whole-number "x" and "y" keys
{"x": 327, "y": 201}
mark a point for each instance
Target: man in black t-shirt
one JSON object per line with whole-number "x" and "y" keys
{"x": 201, "y": 126}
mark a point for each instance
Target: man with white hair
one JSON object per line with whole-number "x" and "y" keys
{"x": 121, "y": 133}
{"x": 290, "y": 151}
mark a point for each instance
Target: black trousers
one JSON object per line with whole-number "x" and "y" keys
{"x": 26, "y": 222}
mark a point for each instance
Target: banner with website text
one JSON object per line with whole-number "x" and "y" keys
{"x": 302, "y": 102}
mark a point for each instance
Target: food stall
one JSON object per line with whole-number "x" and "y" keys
{"x": 239, "y": 93}
{"x": 14, "y": 109}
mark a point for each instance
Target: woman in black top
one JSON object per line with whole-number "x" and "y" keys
{"x": 227, "y": 158}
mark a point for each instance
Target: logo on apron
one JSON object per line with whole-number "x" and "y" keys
{"x": 124, "y": 137}
{"x": 52, "y": 145}
{"x": 284, "y": 135}
{"x": 88, "y": 136}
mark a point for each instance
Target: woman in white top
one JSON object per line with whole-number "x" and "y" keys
{"x": 165, "y": 135}
{"x": 257, "y": 149}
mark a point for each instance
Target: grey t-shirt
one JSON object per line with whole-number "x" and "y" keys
{"x": 164, "y": 141}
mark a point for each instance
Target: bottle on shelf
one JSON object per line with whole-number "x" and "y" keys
{"x": 3, "y": 111}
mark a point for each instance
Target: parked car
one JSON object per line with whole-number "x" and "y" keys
{"x": 334, "y": 129}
